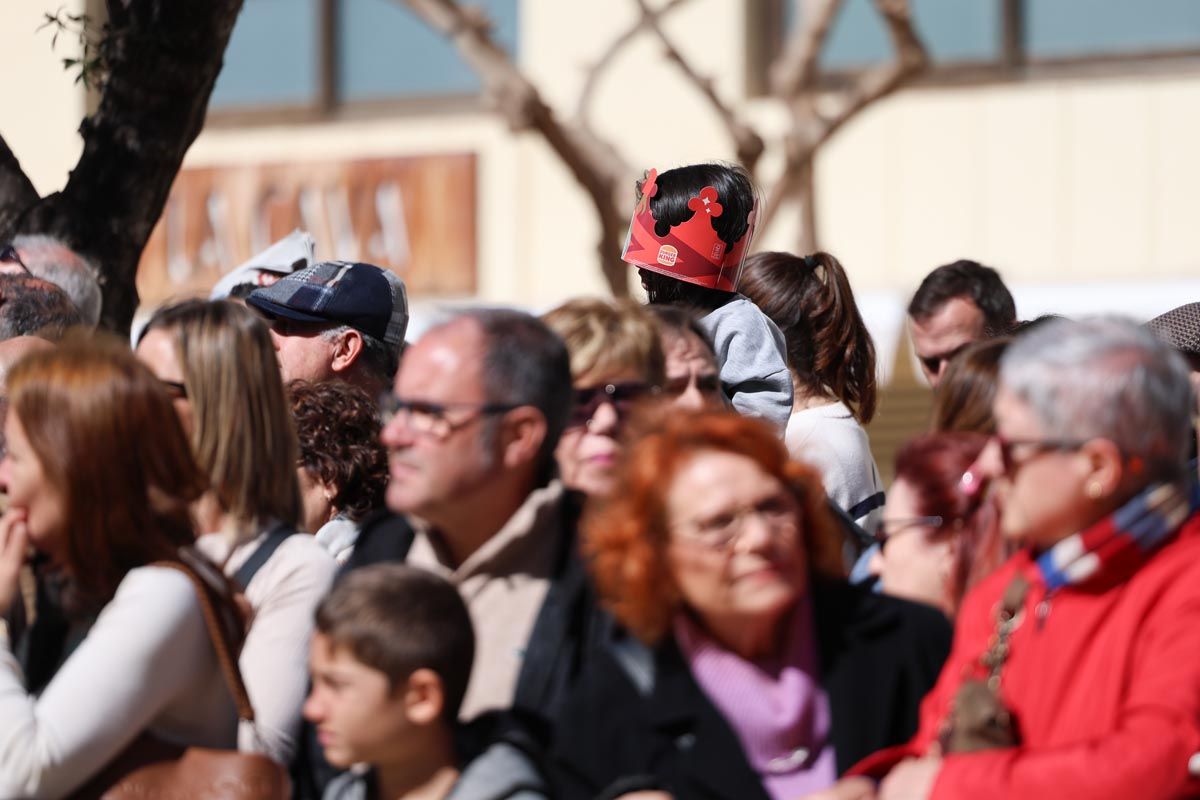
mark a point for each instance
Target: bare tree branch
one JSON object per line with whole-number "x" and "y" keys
{"x": 17, "y": 193}
{"x": 595, "y": 164}
{"x": 747, "y": 142}
{"x": 795, "y": 79}
{"x": 911, "y": 59}
{"x": 796, "y": 68}
{"x": 583, "y": 107}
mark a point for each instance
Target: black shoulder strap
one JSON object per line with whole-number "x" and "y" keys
{"x": 260, "y": 556}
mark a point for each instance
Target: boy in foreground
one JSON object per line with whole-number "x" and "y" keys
{"x": 390, "y": 658}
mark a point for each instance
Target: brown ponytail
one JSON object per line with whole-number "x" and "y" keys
{"x": 829, "y": 348}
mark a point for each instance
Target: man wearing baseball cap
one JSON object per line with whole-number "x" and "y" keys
{"x": 337, "y": 319}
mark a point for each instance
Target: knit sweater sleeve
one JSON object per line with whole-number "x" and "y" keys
{"x": 147, "y": 647}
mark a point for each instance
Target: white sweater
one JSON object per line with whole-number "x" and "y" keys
{"x": 284, "y": 594}
{"x": 146, "y": 664}
{"x": 830, "y": 438}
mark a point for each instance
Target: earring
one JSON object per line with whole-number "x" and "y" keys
{"x": 1094, "y": 490}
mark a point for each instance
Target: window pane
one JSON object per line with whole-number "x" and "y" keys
{"x": 384, "y": 50}
{"x": 953, "y": 30}
{"x": 1063, "y": 28}
{"x": 272, "y": 55}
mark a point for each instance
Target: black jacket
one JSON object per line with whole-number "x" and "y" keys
{"x": 641, "y": 721}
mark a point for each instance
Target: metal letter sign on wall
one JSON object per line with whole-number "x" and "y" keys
{"x": 414, "y": 215}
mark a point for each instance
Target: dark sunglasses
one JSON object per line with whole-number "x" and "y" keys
{"x": 622, "y": 396}
{"x": 9, "y": 255}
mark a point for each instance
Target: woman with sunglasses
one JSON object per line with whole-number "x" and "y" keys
{"x": 938, "y": 535}
{"x": 750, "y": 669}
{"x": 1075, "y": 670}
{"x": 616, "y": 361}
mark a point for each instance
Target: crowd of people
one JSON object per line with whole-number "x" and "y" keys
{"x": 619, "y": 550}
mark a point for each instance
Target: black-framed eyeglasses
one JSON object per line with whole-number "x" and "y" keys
{"x": 622, "y": 396}
{"x": 1033, "y": 447}
{"x": 434, "y": 419}
{"x": 9, "y": 255}
{"x": 175, "y": 389}
{"x": 889, "y": 529}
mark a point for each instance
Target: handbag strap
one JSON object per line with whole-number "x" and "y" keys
{"x": 208, "y": 595}
{"x": 1011, "y": 604}
{"x": 261, "y": 555}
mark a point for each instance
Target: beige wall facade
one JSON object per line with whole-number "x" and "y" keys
{"x": 41, "y": 105}
{"x": 1053, "y": 180}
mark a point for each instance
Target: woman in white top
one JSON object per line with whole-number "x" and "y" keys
{"x": 832, "y": 360}
{"x": 218, "y": 360}
{"x": 100, "y": 480}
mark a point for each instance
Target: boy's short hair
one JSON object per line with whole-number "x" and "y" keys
{"x": 398, "y": 619}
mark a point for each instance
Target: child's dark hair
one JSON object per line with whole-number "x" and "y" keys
{"x": 398, "y": 619}
{"x": 669, "y": 205}
{"x": 828, "y": 345}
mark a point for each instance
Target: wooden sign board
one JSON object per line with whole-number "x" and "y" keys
{"x": 415, "y": 216}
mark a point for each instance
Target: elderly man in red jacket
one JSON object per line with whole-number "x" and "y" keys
{"x": 1075, "y": 670}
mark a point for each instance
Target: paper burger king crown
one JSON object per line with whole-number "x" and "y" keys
{"x": 691, "y": 251}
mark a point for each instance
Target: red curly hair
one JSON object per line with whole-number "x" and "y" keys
{"x": 625, "y": 535}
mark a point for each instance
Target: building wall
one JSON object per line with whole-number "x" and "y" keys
{"x": 1052, "y": 180}
{"x": 41, "y": 106}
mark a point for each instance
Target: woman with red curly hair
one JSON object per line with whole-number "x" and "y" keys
{"x": 750, "y": 669}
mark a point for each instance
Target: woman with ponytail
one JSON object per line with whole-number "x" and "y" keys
{"x": 832, "y": 362}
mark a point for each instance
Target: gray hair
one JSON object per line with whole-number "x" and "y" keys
{"x": 378, "y": 358}
{"x": 54, "y": 261}
{"x": 1106, "y": 377}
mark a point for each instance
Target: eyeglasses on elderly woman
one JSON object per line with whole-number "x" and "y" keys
{"x": 778, "y": 512}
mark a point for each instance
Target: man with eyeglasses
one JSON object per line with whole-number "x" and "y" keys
{"x": 479, "y": 404}
{"x": 1075, "y": 667}
{"x": 955, "y": 305}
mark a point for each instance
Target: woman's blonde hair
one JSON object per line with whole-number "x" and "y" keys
{"x": 608, "y": 337}
{"x": 243, "y": 435}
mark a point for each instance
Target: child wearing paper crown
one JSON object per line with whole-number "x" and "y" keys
{"x": 690, "y": 232}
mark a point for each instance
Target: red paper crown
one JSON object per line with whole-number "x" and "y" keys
{"x": 692, "y": 251}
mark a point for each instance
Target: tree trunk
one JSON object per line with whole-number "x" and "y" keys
{"x": 806, "y": 199}
{"x": 162, "y": 58}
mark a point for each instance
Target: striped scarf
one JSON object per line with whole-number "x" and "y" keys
{"x": 1124, "y": 538}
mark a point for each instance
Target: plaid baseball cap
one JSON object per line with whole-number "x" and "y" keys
{"x": 1180, "y": 328}
{"x": 368, "y": 298}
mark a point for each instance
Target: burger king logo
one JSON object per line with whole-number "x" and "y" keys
{"x": 667, "y": 255}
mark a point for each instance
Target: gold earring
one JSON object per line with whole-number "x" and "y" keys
{"x": 1094, "y": 490}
